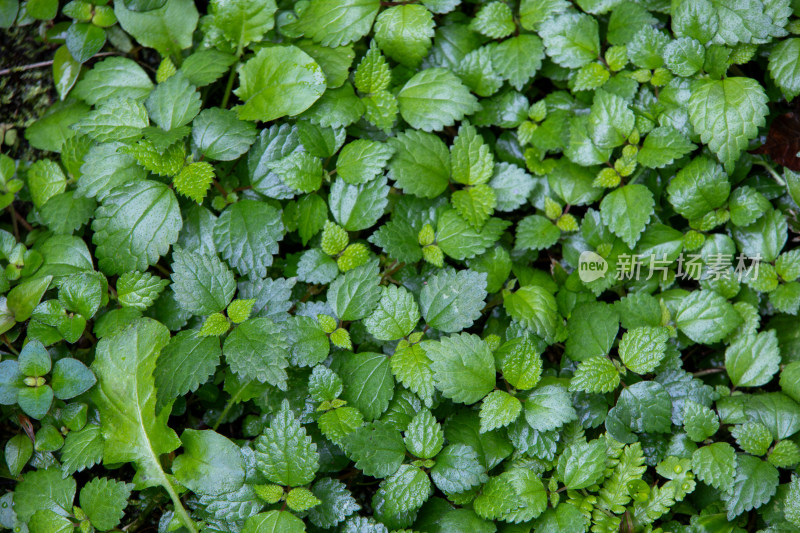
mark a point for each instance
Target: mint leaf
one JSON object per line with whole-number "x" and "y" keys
{"x": 463, "y": 367}
{"x": 284, "y": 453}
{"x": 435, "y": 98}
{"x": 451, "y": 300}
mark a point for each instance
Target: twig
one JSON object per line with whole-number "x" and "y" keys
{"x": 42, "y": 64}
{"x": 709, "y": 371}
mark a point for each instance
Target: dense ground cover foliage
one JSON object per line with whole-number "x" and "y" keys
{"x": 431, "y": 266}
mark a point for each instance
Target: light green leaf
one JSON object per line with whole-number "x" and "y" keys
{"x": 338, "y": 22}
{"x": 595, "y": 375}
{"x": 139, "y": 289}
{"x": 184, "y": 364}
{"x": 715, "y": 465}
{"x": 210, "y": 463}
{"x": 168, "y": 28}
{"x": 518, "y": 59}
{"x": 548, "y": 408}
{"x": 404, "y": 33}
{"x": 424, "y": 436}
{"x": 113, "y": 77}
{"x": 572, "y": 40}
{"x": 278, "y": 81}
{"x": 368, "y": 382}
{"x": 173, "y": 103}
{"x": 242, "y": 22}
{"x": 698, "y": 188}
{"x": 643, "y": 348}
{"x": 362, "y": 160}
{"x": 435, "y": 98}
{"x": 132, "y": 430}
{"x": 705, "y": 316}
{"x": 219, "y": 135}
{"x": 662, "y": 146}
{"x": 582, "y": 464}
{"x": 533, "y": 307}
{"x": 358, "y": 207}
{"x": 498, "y": 410}
{"x": 120, "y": 120}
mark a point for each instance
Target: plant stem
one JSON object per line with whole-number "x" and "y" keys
{"x": 228, "y": 406}
{"x": 229, "y": 86}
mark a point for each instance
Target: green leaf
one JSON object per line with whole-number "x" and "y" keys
{"x": 548, "y": 408}
{"x": 282, "y": 521}
{"x": 66, "y": 69}
{"x": 582, "y": 464}
{"x": 643, "y": 348}
{"x": 243, "y": 21}
{"x": 257, "y": 349}
{"x": 783, "y": 67}
{"x": 45, "y": 180}
{"x": 82, "y": 449}
{"x": 139, "y": 289}
{"x": 518, "y": 59}
{"x": 699, "y": 421}
{"x": 358, "y": 207}
{"x": 421, "y": 163}
{"x": 355, "y": 294}
{"x": 424, "y": 436}
{"x": 132, "y": 430}
{"x": 168, "y": 28}
{"x": 435, "y": 98}
{"x": 70, "y": 378}
{"x": 457, "y": 469}
{"x": 362, "y": 160}
{"x": 521, "y": 362}
{"x": 104, "y": 501}
{"x": 105, "y": 168}
{"x": 463, "y": 367}
{"x": 202, "y": 284}
{"x": 642, "y": 407}
{"x": 84, "y": 40}
{"x": 120, "y": 119}
{"x": 715, "y": 465}
{"x": 498, "y": 410}
{"x": 43, "y": 489}
{"x": 111, "y": 78}
{"x": 662, "y": 146}
{"x": 299, "y": 171}
{"x": 705, "y": 316}
{"x": 536, "y": 232}
{"x": 592, "y": 329}
{"x": 278, "y": 81}
{"x": 533, "y": 307}
{"x": 184, "y": 364}
{"x": 752, "y": 360}
{"x": 595, "y": 375}
{"x": 368, "y": 382}
{"x": 755, "y": 483}
{"x": 204, "y": 67}
{"x": 284, "y": 452}
{"x": 338, "y": 22}
{"x": 571, "y": 39}
{"x": 727, "y": 114}
{"x": 246, "y": 235}
{"x": 452, "y": 300}
{"x": 396, "y": 315}
{"x": 412, "y": 367}
{"x": 627, "y": 210}
{"x": 698, "y": 188}
{"x": 377, "y": 449}
{"x": 406, "y": 490}
{"x": 219, "y": 135}
{"x": 404, "y": 33}
{"x": 336, "y": 503}
{"x": 494, "y": 20}
{"x": 135, "y": 225}
{"x": 610, "y": 120}
{"x": 210, "y": 463}
{"x": 66, "y": 213}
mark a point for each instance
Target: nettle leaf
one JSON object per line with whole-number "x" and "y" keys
{"x": 220, "y": 135}
{"x": 368, "y": 382}
{"x": 421, "y": 163}
{"x": 113, "y": 77}
{"x": 595, "y": 375}
{"x": 452, "y": 300}
{"x": 582, "y": 464}
{"x": 104, "y": 501}
{"x": 284, "y": 453}
{"x": 357, "y": 207}
{"x": 395, "y": 316}
{"x": 518, "y": 59}
{"x": 173, "y": 103}
{"x": 643, "y": 348}
{"x": 135, "y": 225}
{"x": 592, "y": 329}
{"x": 572, "y": 40}
{"x": 498, "y": 410}
{"x": 377, "y": 449}
{"x": 706, "y": 317}
{"x": 435, "y": 98}
{"x": 627, "y": 210}
{"x": 727, "y": 114}
{"x": 754, "y": 485}
{"x": 362, "y": 160}
{"x": 404, "y": 33}
{"x": 278, "y": 81}
{"x": 715, "y": 465}
{"x": 698, "y": 188}
{"x": 752, "y": 360}
{"x": 463, "y": 367}
{"x": 335, "y": 23}
{"x": 246, "y": 235}
{"x": 202, "y": 284}
{"x": 257, "y": 349}
{"x": 548, "y": 408}
{"x": 243, "y": 21}
{"x": 184, "y": 364}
